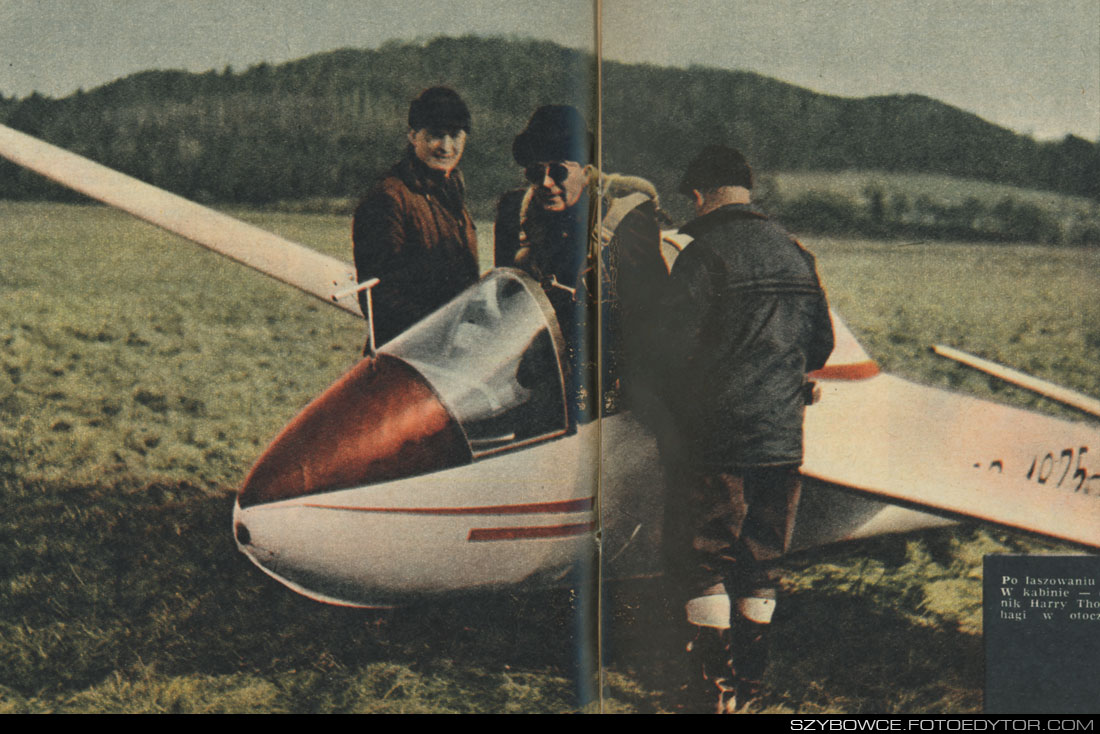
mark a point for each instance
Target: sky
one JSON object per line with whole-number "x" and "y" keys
{"x": 1030, "y": 65}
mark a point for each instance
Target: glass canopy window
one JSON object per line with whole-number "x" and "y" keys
{"x": 493, "y": 355}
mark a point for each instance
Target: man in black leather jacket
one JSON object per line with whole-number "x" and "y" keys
{"x": 744, "y": 319}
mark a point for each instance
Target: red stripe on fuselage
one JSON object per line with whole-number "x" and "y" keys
{"x": 530, "y": 532}
{"x": 582, "y": 505}
{"x": 853, "y": 371}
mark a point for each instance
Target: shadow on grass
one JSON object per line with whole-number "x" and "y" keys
{"x": 830, "y": 652}
{"x": 842, "y": 653}
{"x": 109, "y": 583}
{"x": 133, "y": 589}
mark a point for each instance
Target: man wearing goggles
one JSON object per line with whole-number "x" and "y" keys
{"x": 558, "y": 185}
{"x": 549, "y": 230}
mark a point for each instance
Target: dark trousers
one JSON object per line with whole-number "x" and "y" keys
{"x": 720, "y": 527}
{"x": 720, "y": 530}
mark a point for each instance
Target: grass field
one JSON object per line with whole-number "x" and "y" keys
{"x": 141, "y": 377}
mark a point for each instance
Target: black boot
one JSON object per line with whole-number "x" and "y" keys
{"x": 712, "y": 688}
{"x": 748, "y": 656}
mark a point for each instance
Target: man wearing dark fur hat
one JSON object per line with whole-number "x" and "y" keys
{"x": 744, "y": 320}
{"x": 549, "y": 229}
{"x": 413, "y": 231}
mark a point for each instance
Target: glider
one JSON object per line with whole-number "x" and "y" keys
{"x": 447, "y": 461}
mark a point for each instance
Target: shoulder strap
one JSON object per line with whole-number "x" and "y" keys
{"x": 615, "y": 213}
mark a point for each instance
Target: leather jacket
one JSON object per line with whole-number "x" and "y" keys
{"x": 744, "y": 319}
{"x": 414, "y": 234}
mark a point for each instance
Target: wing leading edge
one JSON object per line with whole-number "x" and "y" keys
{"x": 294, "y": 264}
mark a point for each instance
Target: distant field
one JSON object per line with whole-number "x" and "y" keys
{"x": 140, "y": 377}
{"x": 950, "y": 190}
{"x": 925, "y": 207}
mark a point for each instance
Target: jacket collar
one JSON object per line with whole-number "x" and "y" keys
{"x": 421, "y": 179}
{"x": 720, "y": 216}
{"x": 612, "y": 185}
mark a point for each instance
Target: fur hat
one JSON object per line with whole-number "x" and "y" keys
{"x": 554, "y": 133}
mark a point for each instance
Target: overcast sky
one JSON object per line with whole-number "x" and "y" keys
{"x": 1030, "y": 65}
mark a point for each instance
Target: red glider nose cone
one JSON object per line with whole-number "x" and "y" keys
{"x": 380, "y": 421}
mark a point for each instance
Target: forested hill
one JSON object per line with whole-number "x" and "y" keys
{"x": 660, "y": 116}
{"x": 327, "y": 125}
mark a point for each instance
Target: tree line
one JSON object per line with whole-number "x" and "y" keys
{"x": 328, "y": 125}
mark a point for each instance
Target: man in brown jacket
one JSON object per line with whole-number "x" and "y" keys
{"x": 413, "y": 231}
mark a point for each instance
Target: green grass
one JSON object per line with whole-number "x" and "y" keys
{"x": 141, "y": 377}
{"x": 127, "y": 353}
{"x": 1028, "y": 307}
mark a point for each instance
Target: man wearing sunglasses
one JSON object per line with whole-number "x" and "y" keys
{"x": 413, "y": 231}
{"x": 548, "y": 229}
{"x": 544, "y": 227}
